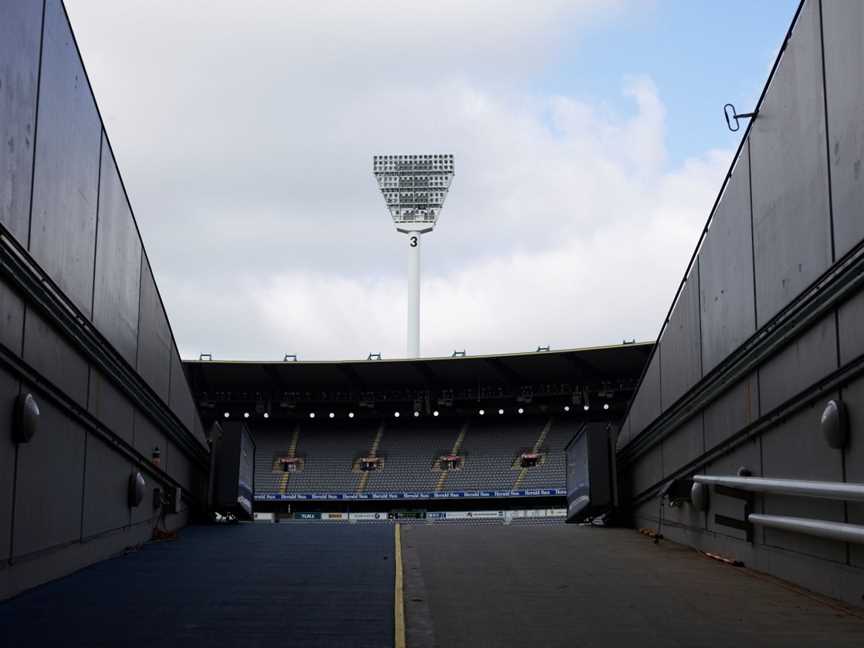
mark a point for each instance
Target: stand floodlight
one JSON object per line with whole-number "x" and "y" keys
{"x": 414, "y": 188}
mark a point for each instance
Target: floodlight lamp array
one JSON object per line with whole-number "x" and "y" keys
{"x": 414, "y": 188}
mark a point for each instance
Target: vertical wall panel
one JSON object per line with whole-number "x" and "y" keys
{"x": 154, "y": 337}
{"x": 118, "y": 263}
{"x": 52, "y": 356}
{"x": 850, "y": 322}
{"x": 106, "y": 488}
{"x": 843, "y": 26}
{"x": 799, "y": 365}
{"x": 112, "y": 408}
{"x": 681, "y": 357}
{"x": 147, "y": 437}
{"x": 744, "y": 456}
{"x": 20, "y": 34}
{"x": 646, "y": 402}
{"x": 11, "y": 319}
{"x": 853, "y": 396}
{"x": 63, "y": 228}
{"x": 181, "y": 398}
{"x": 683, "y": 446}
{"x": 796, "y": 449}
{"x": 732, "y": 412}
{"x": 726, "y": 271}
{"x": 8, "y": 394}
{"x": 50, "y": 482}
{"x": 791, "y": 222}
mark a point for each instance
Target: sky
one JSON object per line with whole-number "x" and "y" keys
{"x": 589, "y": 146}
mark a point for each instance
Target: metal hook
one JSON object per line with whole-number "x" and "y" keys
{"x": 736, "y": 116}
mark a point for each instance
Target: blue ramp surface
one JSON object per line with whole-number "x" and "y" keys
{"x": 242, "y": 585}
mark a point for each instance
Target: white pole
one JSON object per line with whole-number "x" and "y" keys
{"x": 413, "y": 295}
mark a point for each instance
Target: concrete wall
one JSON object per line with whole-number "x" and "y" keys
{"x": 769, "y": 324}
{"x": 82, "y": 326}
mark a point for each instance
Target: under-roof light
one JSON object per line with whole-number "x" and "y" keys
{"x": 585, "y": 407}
{"x": 416, "y": 414}
{"x": 227, "y": 415}
{"x": 566, "y": 408}
{"x": 521, "y": 411}
{"x": 266, "y": 414}
{"x": 332, "y": 415}
{"x": 435, "y": 413}
{"x": 311, "y": 414}
{"x": 481, "y": 412}
{"x": 500, "y": 411}
{"x": 396, "y": 414}
{"x": 245, "y": 414}
{"x": 350, "y": 414}
{"x": 605, "y": 406}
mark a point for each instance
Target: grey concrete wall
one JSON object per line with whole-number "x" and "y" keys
{"x": 760, "y": 336}
{"x": 89, "y": 336}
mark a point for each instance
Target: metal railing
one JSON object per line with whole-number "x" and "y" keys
{"x": 838, "y": 491}
{"x": 819, "y": 489}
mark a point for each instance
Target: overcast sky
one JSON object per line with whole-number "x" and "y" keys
{"x": 588, "y": 138}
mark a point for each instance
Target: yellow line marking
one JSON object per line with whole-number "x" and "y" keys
{"x": 398, "y": 595}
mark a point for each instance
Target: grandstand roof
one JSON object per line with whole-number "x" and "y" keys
{"x": 566, "y": 375}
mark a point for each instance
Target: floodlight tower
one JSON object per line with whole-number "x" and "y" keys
{"x": 414, "y": 188}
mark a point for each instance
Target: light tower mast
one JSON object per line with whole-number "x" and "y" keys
{"x": 414, "y": 188}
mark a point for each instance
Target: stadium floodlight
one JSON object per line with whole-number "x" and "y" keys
{"x": 500, "y": 411}
{"x": 605, "y": 406}
{"x": 585, "y": 407}
{"x": 245, "y": 414}
{"x": 350, "y": 414}
{"x": 481, "y": 412}
{"x": 332, "y": 415}
{"x": 521, "y": 411}
{"x": 311, "y": 414}
{"x": 435, "y": 413}
{"x": 266, "y": 415}
{"x": 566, "y": 408}
{"x": 416, "y": 414}
{"x": 227, "y": 415}
{"x": 414, "y": 188}
{"x": 396, "y": 414}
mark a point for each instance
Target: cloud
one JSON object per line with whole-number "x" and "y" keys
{"x": 246, "y": 144}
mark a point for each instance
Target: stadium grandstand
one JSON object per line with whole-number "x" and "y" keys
{"x": 424, "y": 435}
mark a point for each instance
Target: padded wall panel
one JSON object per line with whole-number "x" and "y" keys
{"x": 181, "y": 398}
{"x": 727, "y": 301}
{"x": 8, "y": 394}
{"x": 796, "y": 449}
{"x": 106, "y": 484}
{"x": 20, "y": 36}
{"x": 50, "y": 482}
{"x": 147, "y": 437}
{"x": 747, "y": 455}
{"x": 791, "y": 223}
{"x": 681, "y": 356}
{"x": 809, "y": 358}
{"x": 11, "y": 319}
{"x": 118, "y": 263}
{"x": 110, "y": 406}
{"x": 154, "y": 337}
{"x": 65, "y": 184}
{"x": 850, "y": 323}
{"x": 853, "y": 396}
{"x": 53, "y": 357}
{"x": 646, "y": 402}
{"x": 683, "y": 446}
{"x": 647, "y": 471}
{"x": 733, "y": 411}
{"x": 843, "y": 26}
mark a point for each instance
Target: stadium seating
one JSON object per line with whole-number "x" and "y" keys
{"x": 410, "y": 451}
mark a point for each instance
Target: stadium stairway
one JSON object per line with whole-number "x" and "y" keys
{"x": 373, "y": 452}
{"x": 457, "y": 445}
{"x": 292, "y": 453}
{"x": 537, "y": 445}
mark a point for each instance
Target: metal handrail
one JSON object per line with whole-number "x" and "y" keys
{"x": 820, "y": 528}
{"x": 844, "y": 491}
